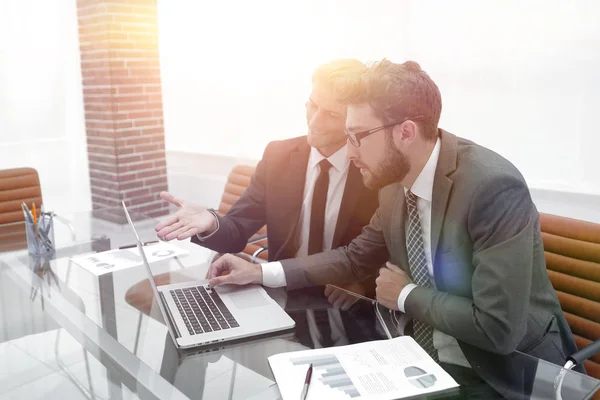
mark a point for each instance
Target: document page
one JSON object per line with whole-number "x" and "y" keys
{"x": 115, "y": 260}
{"x": 383, "y": 369}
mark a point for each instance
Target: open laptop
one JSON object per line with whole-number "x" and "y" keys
{"x": 198, "y": 315}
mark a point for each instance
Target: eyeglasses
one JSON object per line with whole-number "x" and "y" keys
{"x": 354, "y": 138}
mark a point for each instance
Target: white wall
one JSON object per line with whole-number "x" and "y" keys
{"x": 520, "y": 77}
{"x": 41, "y": 101}
{"x": 236, "y": 74}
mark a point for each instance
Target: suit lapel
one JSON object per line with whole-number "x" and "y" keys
{"x": 352, "y": 192}
{"x": 290, "y": 194}
{"x": 442, "y": 187}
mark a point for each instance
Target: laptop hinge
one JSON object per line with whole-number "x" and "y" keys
{"x": 171, "y": 319}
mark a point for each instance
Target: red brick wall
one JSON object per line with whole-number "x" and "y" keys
{"x": 123, "y": 103}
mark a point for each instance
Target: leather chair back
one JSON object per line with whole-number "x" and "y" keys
{"x": 572, "y": 250}
{"x": 237, "y": 182}
{"x": 17, "y": 185}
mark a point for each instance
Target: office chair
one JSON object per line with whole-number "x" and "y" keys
{"x": 572, "y": 252}
{"x": 238, "y": 181}
{"x": 17, "y": 185}
{"x": 20, "y": 185}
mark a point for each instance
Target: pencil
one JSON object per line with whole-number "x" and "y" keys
{"x": 33, "y": 211}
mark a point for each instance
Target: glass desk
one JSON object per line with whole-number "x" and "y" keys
{"x": 68, "y": 333}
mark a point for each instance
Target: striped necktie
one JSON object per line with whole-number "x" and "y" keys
{"x": 422, "y": 332}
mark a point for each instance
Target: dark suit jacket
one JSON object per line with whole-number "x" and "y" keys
{"x": 274, "y": 198}
{"x": 493, "y": 292}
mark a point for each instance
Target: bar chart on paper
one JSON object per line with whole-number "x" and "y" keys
{"x": 381, "y": 369}
{"x": 330, "y": 376}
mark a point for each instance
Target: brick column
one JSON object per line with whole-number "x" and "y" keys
{"x": 122, "y": 97}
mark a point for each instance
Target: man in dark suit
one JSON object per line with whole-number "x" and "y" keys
{"x": 460, "y": 231}
{"x": 308, "y": 194}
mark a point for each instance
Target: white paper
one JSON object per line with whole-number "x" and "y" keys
{"x": 382, "y": 370}
{"x": 115, "y": 260}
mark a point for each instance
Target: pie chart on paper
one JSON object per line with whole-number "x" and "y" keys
{"x": 419, "y": 377}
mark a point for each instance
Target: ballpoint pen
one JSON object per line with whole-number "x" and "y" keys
{"x": 306, "y": 383}
{"x": 28, "y": 216}
{"x": 42, "y": 220}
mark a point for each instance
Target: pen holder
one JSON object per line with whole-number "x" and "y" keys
{"x": 40, "y": 236}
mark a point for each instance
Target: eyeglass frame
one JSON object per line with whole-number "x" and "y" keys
{"x": 354, "y": 138}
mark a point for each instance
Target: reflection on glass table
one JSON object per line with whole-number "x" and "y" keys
{"x": 115, "y": 344}
{"x": 50, "y": 349}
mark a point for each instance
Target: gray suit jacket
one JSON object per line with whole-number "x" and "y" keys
{"x": 493, "y": 292}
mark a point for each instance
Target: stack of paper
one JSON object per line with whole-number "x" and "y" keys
{"x": 383, "y": 370}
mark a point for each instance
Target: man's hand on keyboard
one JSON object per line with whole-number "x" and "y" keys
{"x": 230, "y": 269}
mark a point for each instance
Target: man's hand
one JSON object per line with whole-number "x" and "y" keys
{"x": 230, "y": 269}
{"x": 341, "y": 299}
{"x": 188, "y": 221}
{"x": 390, "y": 282}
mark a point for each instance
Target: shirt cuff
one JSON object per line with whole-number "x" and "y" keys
{"x": 201, "y": 237}
{"x": 404, "y": 294}
{"x": 273, "y": 275}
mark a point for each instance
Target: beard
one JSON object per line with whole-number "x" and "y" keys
{"x": 393, "y": 168}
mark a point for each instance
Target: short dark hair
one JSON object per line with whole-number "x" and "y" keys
{"x": 337, "y": 74}
{"x": 398, "y": 91}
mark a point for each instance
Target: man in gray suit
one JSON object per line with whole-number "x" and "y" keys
{"x": 466, "y": 259}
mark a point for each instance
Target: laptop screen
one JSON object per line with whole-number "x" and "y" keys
{"x": 142, "y": 254}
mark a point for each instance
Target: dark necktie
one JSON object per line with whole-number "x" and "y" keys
{"x": 317, "y": 209}
{"x": 422, "y": 332}
{"x": 315, "y": 239}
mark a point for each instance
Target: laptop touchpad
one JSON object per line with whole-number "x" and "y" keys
{"x": 248, "y": 299}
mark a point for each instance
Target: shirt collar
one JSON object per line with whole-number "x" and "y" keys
{"x": 338, "y": 159}
{"x": 423, "y": 185}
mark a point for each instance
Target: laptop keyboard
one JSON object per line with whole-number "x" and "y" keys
{"x": 202, "y": 310}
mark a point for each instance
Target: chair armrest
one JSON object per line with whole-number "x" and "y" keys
{"x": 588, "y": 351}
{"x": 262, "y": 248}
{"x": 241, "y": 255}
{"x": 252, "y": 259}
{"x": 254, "y": 240}
{"x": 257, "y": 238}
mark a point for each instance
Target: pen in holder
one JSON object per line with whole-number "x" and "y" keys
{"x": 40, "y": 235}
{"x": 42, "y": 269}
